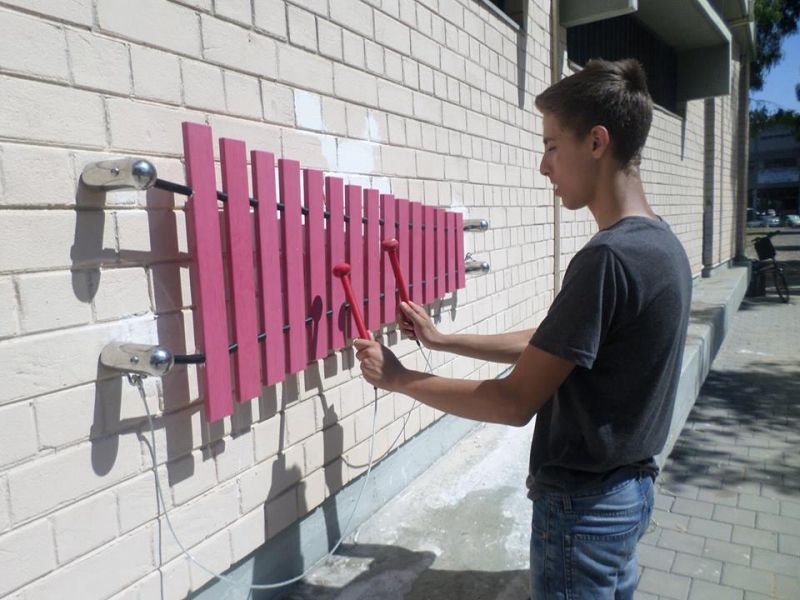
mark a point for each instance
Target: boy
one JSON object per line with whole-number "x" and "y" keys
{"x": 601, "y": 371}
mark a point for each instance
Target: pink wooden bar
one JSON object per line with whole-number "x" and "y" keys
{"x": 334, "y": 192}
{"x": 372, "y": 257}
{"x": 404, "y": 237}
{"x": 355, "y": 249}
{"x": 416, "y": 253}
{"x": 459, "y": 233}
{"x": 205, "y": 245}
{"x": 289, "y": 180}
{"x": 450, "y": 227}
{"x": 429, "y": 255}
{"x": 269, "y": 267}
{"x": 233, "y": 156}
{"x": 318, "y": 272}
{"x": 388, "y": 283}
{"x": 441, "y": 267}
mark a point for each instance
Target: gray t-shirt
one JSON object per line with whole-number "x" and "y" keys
{"x": 621, "y": 317}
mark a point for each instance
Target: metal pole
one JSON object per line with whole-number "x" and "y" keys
{"x": 555, "y": 75}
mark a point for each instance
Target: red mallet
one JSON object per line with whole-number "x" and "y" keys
{"x": 342, "y": 271}
{"x": 392, "y": 248}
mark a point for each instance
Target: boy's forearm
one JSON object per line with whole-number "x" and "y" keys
{"x": 499, "y": 348}
{"x": 489, "y": 400}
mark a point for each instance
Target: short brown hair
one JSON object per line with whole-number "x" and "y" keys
{"x": 611, "y": 94}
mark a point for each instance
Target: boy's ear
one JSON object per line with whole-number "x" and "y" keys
{"x": 601, "y": 140}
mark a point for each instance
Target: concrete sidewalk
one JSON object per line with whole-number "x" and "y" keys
{"x": 727, "y": 523}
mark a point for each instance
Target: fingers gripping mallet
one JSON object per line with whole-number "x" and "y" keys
{"x": 392, "y": 248}
{"x": 342, "y": 271}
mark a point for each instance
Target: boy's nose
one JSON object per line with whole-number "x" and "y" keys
{"x": 544, "y": 169}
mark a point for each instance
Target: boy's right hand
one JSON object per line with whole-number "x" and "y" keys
{"x": 417, "y": 325}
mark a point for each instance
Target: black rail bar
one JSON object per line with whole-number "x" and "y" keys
{"x": 184, "y": 190}
{"x": 198, "y": 359}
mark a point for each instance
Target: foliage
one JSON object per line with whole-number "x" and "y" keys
{"x": 761, "y": 119}
{"x": 774, "y": 19}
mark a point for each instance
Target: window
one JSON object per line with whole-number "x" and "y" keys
{"x": 780, "y": 163}
{"x": 513, "y": 10}
{"x": 624, "y": 37}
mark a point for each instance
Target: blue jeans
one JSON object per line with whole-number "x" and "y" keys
{"x": 583, "y": 546}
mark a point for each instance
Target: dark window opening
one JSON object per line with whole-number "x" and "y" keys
{"x": 780, "y": 163}
{"x": 513, "y": 9}
{"x": 624, "y": 37}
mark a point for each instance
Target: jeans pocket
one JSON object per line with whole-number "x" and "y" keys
{"x": 604, "y": 531}
{"x": 599, "y": 560}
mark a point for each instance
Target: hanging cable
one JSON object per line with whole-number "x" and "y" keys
{"x": 136, "y": 380}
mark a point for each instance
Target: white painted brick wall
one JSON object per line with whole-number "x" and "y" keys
{"x": 99, "y": 63}
{"x": 73, "y": 116}
{"x": 415, "y": 97}
{"x": 36, "y": 176}
{"x": 302, "y": 28}
{"x": 156, "y": 75}
{"x": 48, "y": 300}
{"x": 177, "y": 28}
{"x": 31, "y": 46}
{"x": 302, "y": 69}
{"x": 84, "y": 526}
{"x": 9, "y": 318}
{"x": 28, "y": 553}
{"x": 103, "y": 572}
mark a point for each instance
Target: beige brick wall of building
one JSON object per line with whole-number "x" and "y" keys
{"x": 420, "y": 98}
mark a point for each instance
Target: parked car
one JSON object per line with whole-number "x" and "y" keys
{"x": 791, "y": 220}
{"x": 763, "y": 221}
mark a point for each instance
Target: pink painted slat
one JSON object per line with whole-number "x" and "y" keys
{"x": 404, "y": 237}
{"x": 416, "y": 253}
{"x": 450, "y": 221}
{"x": 317, "y": 268}
{"x": 205, "y": 245}
{"x": 372, "y": 256}
{"x": 334, "y": 193}
{"x": 268, "y": 239}
{"x": 355, "y": 249}
{"x": 233, "y": 156}
{"x": 441, "y": 267}
{"x": 429, "y": 255}
{"x": 388, "y": 283}
{"x": 289, "y": 181}
{"x": 461, "y": 281}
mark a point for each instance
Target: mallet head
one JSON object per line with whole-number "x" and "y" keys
{"x": 390, "y": 245}
{"x": 341, "y": 269}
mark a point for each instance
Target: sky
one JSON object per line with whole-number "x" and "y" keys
{"x": 780, "y": 81}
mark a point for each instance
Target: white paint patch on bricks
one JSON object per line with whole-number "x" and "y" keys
{"x": 308, "y": 110}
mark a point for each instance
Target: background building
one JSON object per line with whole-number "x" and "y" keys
{"x": 427, "y": 99}
{"x": 774, "y": 171}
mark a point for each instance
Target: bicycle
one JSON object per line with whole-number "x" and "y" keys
{"x": 765, "y": 265}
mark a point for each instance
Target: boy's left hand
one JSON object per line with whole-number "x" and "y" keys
{"x": 379, "y": 365}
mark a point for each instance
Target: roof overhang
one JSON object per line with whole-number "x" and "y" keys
{"x": 738, "y": 15}
{"x": 580, "y": 12}
{"x": 692, "y": 28}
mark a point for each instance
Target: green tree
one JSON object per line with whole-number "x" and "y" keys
{"x": 775, "y": 19}
{"x": 761, "y": 118}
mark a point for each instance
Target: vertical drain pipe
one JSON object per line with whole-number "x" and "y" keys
{"x": 743, "y": 154}
{"x": 555, "y": 75}
{"x": 709, "y": 187}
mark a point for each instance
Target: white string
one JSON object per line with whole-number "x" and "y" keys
{"x": 137, "y": 381}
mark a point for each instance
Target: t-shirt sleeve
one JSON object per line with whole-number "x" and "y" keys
{"x": 582, "y": 312}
